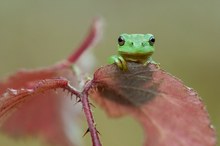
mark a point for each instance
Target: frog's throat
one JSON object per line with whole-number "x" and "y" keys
{"x": 136, "y": 57}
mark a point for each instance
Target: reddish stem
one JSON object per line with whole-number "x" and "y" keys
{"x": 12, "y": 98}
{"x": 89, "y": 116}
{"x": 87, "y": 110}
{"x": 92, "y": 39}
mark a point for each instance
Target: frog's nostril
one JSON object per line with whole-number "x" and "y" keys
{"x": 132, "y": 43}
{"x": 143, "y": 44}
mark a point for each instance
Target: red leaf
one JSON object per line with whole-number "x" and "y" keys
{"x": 170, "y": 113}
{"x": 40, "y": 114}
{"x": 50, "y": 115}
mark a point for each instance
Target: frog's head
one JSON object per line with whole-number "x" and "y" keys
{"x": 136, "y": 47}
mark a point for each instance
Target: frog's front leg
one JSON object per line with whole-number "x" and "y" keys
{"x": 150, "y": 60}
{"x": 120, "y": 62}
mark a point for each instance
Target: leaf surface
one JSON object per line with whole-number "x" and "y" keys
{"x": 170, "y": 113}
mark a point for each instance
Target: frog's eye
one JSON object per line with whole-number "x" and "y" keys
{"x": 121, "y": 41}
{"x": 152, "y": 40}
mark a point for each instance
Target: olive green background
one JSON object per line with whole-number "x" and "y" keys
{"x": 35, "y": 33}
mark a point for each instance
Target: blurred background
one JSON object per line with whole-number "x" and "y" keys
{"x": 36, "y": 33}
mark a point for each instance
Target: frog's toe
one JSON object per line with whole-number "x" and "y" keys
{"x": 152, "y": 62}
{"x": 123, "y": 62}
{"x": 156, "y": 64}
{"x": 119, "y": 64}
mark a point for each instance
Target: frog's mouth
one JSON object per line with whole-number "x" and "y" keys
{"x": 136, "y": 57}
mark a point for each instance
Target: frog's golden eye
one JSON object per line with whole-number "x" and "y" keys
{"x": 152, "y": 40}
{"x": 121, "y": 41}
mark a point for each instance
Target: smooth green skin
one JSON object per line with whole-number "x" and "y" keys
{"x": 135, "y": 49}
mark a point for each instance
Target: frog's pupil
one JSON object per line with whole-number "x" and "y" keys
{"x": 152, "y": 41}
{"x": 121, "y": 41}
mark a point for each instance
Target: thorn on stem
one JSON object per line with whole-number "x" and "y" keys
{"x": 78, "y": 100}
{"x": 87, "y": 131}
{"x": 92, "y": 105}
{"x": 98, "y": 132}
{"x": 96, "y": 128}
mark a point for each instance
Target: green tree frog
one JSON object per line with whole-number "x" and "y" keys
{"x": 135, "y": 48}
